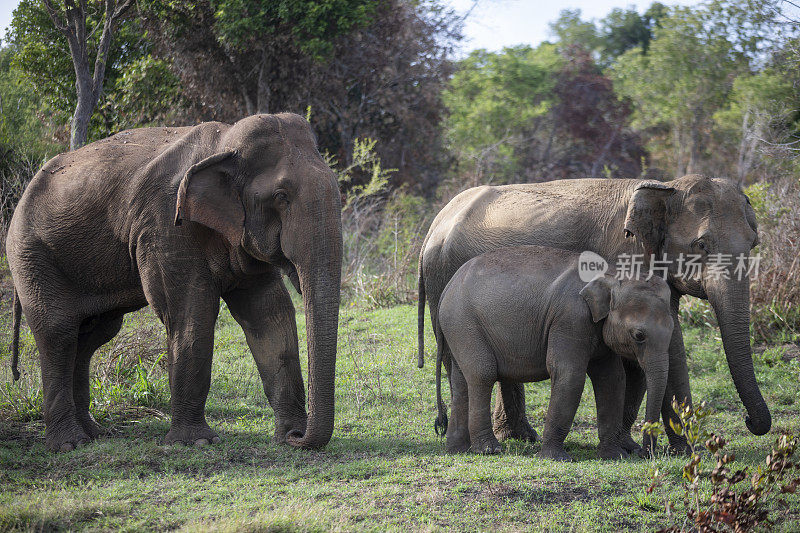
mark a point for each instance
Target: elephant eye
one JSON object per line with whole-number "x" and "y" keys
{"x": 280, "y": 197}
{"x": 638, "y": 335}
{"x": 701, "y": 245}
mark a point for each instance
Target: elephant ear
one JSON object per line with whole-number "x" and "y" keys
{"x": 647, "y": 214}
{"x": 207, "y": 196}
{"x": 599, "y": 295}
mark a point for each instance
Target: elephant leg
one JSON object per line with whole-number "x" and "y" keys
{"x": 635, "y": 387}
{"x": 677, "y": 383}
{"x": 482, "y": 439}
{"x": 266, "y": 315}
{"x": 57, "y": 346}
{"x": 510, "y": 421}
{"x": 189, "y": 312}
{"x": 480, "y": 377}
{"x": 608, "y": 376}
{"x": 458, "y": 439}
{"x": 566, "y": 365}
{"x": 94, "y": 333}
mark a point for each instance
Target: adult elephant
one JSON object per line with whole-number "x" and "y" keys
{"x": 689, "y": 215}
{"x": 178, "y": 218}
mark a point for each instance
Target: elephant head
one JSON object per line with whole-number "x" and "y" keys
{"x": 268, "y": 191}
{"x": 712, "y": 222}
{"x": 638, "y": 325}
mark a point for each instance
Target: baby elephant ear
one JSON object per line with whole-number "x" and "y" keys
{"x": 598, "y": 294}
{"x": 207, "y": 196}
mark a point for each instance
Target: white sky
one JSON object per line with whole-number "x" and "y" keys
{"x": 493, "y": 24}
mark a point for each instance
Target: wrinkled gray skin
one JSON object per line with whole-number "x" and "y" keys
{"x": 689, "y": 215}
{"x": 178, "y": 218}
{"x": 523, "y": 314}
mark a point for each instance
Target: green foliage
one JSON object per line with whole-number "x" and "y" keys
{"x": 25, "y": 124}
{"x": 698, "y": 75}
{"x": 146, "y": 93}
{"x": 364, "y": 162}
{"x": 312, "y": 23}
{"x": 570, "y": 29}
{"x": 496, "y": 97}
{"x": 137, "y": 88}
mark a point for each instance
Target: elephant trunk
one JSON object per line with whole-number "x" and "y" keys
{"x": 656, "y": 377}
{"x": 319, "y": 278}
{"x": 731, "y": 302}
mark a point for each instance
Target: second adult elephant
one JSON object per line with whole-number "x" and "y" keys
{"x": 178, "y": 218}
{"x": 689, "y": 215}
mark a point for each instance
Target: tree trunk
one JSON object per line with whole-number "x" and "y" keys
{"x": 263, "y": 93}
{"x": 79, "y": 133}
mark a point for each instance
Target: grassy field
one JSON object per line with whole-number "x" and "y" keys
{"x": 384, "y": 469}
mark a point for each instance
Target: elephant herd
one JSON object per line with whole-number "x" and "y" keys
{"x": 179, "y": 218}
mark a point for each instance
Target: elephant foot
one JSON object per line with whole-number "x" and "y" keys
{"x": 677, "y": 444}
{"x": 90, "y": 426}
{"x": 488, "y": 447}
{"x": 456, "y": 444}
{"x": 196, "y": 435}
{"x": 286, "y": 429}
{"x": 679, "y": 448}
{"x": 555, "y": 452}
{"x": 66, "y": 436}
{"x": 522, "y": 430}
{"x": 612, "y": 453}
{"x": 628, "y": 444}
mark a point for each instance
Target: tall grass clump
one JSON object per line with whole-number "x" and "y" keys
{"x": 775, "y": 292}
{"x": 382, "y": 231}
{"x": 128, "y": 375}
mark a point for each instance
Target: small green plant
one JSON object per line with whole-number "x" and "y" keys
{"x": 365, "y": 160}
{"x": 717, "y": 497}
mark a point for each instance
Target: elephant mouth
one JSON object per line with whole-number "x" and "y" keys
{"x": 690, "y": 287}
{"x": 291, "y": 273}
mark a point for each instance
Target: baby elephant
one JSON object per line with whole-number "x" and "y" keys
{"x": 523, "y": 314}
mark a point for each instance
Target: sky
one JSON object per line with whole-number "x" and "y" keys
{"x": 492, "y": 24}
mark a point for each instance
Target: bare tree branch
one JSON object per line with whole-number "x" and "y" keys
{"x": 58, "y": 22}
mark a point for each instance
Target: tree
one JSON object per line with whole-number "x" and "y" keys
{"x": 526, "y": 114}
{"x": 498, "y": 107}
{"x": 252, "y": 44}
{"x": 41, "y": 53}
{"x": 71, "y": 22}
{"x": 623, "y": 29}
{"x": 688, "y": 74}
{"x": 369, "y": 69}
{"x": 760, "y": 113}
{"x": 594, "y": 123}
{"x": 570, "y": 29}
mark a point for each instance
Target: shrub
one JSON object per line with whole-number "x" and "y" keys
{"x": 775, "y": 293}
{"x": 719, "y": 498}
{"x": 382, "y": 232}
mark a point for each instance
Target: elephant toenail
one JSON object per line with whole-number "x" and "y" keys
{"x": 67, "y": 447}
{"x": 216, "y": 440}
{"x": 200, "y": 442}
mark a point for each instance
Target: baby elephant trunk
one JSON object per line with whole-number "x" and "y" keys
{"x": 656, "y": 377}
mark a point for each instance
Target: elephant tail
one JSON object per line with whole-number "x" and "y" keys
{"x": 440, "y": 425}
{"x": 420, "y": 315}
{"x": 16, "y": 318}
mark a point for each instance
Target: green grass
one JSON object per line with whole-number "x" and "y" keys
{"x": 384, "y": 469}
